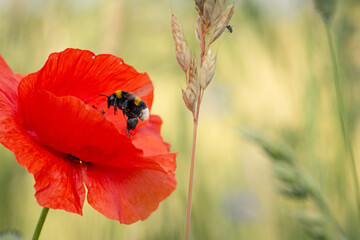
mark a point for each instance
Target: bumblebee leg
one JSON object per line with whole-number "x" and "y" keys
{"x": 115, "y": 109}
{"x": 131, "y": 124}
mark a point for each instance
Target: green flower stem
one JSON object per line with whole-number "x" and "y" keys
{"x": 341, "y": 111}
{"x": 40, "y": 223}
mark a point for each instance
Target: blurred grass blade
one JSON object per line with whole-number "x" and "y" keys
{"x": 276, "y": 150}
{"x": 326, "y": 8}
{"x": 299, "y": 185}
{"x": 10, "y": 235}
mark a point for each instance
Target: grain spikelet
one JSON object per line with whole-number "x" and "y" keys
{"x": 193, "y": 82}
{"x": 198, "y": 29}
{"x": 208, "y": 10}
{"x": 189, "y": 99}
{"x": 207, "y": 69}
{"x": 182, "y": 49}
{"x": 199, "y": 6}
{"x": 193, "y": 87}
{"x": 218, "y": 9}
{"x": 223, "y": 21}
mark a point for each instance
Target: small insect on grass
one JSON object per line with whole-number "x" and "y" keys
{"x": 229, "y": 28}
{"x": 132, "y": 107}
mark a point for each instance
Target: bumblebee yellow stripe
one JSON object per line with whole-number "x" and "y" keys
{"x": 137, "y": 101}
{"x": 118, "y": 93}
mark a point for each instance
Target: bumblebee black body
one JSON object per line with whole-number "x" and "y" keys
{"x": 132, "y": 107}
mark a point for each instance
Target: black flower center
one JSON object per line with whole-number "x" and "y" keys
{"x": 74, "y": 159}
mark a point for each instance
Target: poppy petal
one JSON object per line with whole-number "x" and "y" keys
{"x": 8, "y": 88}
{"x": 154, "y": 148}
{"x": 127, "y": 195}
{"x": 68, "y": 125}
{"x": 59, "y": 185}
{"x": 155, "y": 152}
{"x": 50, "y": 190}
{"x": 51, "y": 121}
{"x": 83, "y": 74}
{"x": 152, "y": 128}
{"x": 8, "y": 103}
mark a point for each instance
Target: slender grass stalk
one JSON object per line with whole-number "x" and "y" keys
{"x": 342, "y": 111}
{"x": 297, "y": 184}
{"x": 40, "y": 223}
{"x": 192, "y": 167}
{"x": 212, "y": 18}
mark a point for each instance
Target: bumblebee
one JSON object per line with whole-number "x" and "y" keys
{"x": 132, "y": 107}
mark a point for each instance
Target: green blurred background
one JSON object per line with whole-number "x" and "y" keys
{"x": 273, "y": 73}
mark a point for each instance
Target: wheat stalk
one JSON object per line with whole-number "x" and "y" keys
{"x": 297, "y": 184}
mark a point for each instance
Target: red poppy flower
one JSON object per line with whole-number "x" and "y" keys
{"x": 52, "y": 121}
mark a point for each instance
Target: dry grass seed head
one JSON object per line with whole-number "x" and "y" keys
{"x": 218, "y": 9}
{"x": 193, "y": 82}
{"x": 198, "y": 29}
{"x": 189, "y": 99}
{"x": 208, "y": 11}
{"x": 222, "y": 22}
{"x": 199, "y": 6}
{"x": 182, "y": 49}
{"x": 207, "y": 70}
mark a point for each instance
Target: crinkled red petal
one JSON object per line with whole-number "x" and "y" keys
{"x": 57, "y": 184}
{"x": 83, "y": 74}
{"x": 154, "y": 148}
{"x": 126, "y": 177}
{"x": 8, "y": 88}
{"x": 127, "y": 195}
{"x": 67, "y": 125}
{"x": 152, "y": 129}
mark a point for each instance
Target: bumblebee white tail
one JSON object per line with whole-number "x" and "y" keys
{"x": 144, "y": 114}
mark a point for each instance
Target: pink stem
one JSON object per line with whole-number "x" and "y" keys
{"x": 192, "y": 167}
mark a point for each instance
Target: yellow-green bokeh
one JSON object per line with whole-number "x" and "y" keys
{"x": 273, "y": 73}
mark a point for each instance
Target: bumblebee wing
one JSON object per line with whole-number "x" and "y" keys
{"x": 144, "y": 90}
